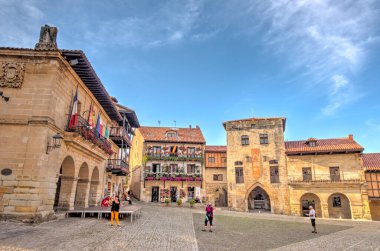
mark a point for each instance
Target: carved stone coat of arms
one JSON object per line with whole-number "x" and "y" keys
{"x": 11, "y": 74}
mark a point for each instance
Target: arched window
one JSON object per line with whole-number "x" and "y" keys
{"x": 244, "y": 140}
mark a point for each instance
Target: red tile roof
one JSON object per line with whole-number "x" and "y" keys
{"x": 185, "y": 135}
{"x": 371, "y": 161}
{"x": 221, "y": 149}
{"x": 323, "y": 145}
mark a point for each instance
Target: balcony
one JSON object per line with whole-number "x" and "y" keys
{"x": 117, "y": 166}
{"x": 174, "y": 157}
{"x": 309, "y": 179}
{"x": 119, "y": 135}
{"x": 91, "y": 135}
{"x": 172, "y": 176}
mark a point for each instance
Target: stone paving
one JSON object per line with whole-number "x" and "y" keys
{"x": 172, "y": 228}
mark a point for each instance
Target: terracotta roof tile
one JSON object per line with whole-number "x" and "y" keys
{"x": 222, "y": 149}
{"x": 323, "y": 145}
{"x": 371, "y": 161}
{"x": 159, "y": 134}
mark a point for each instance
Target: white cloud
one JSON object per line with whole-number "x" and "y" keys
{"x": 327, "y": 40}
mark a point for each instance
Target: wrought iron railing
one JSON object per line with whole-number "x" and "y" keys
{"x": 83, "y": 128}
{"x": 172, "y": 176}
{"x": 175, "y": 157}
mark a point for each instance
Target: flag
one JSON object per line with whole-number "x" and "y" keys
{"x": 74, "y": 111}
{"x": 90, "y": 119}
{"x": 97, "y": 128}
{"x": 107, "y": 132}
{"x": 101, "y": 130}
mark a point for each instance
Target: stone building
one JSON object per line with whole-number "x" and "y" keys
{"x": 215, "y": 175}
{"x": 167, "y": 163}
{"x": 49, "y": 155}
{"x": 327, "y": 174}
{"x": 256, "y": 165}
{"x": 264, "y": 172}
{"x": 371, "y": 163}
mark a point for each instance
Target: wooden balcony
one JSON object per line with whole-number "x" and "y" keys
{"x": 175, "y": 157}
{"x": 119, "y": 135}
{"x": 117, "y": 166}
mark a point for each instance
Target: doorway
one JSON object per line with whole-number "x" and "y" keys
{"x": 155, "y": 194}
{"x": 173, "y": 194}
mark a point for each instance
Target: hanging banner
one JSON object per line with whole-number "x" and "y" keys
{"x": 256, "y": 172}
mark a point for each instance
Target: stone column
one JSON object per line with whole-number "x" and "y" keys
{"x": 82, "y": 193}
{"x": 94, "y": 194}
{"x": 67, "y": 193}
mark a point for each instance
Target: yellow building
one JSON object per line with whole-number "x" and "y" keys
{"x": 266, "y": 173}
{"x": 167, "y": 164}
{"x": 51, "y": 158}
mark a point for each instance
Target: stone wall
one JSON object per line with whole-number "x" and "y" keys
{"x": 35, "y": 112}
{"x": 255, "y": 159}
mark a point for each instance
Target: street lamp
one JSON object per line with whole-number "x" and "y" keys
{"x": 57, "y": 140}
{"x": 6, "y": 99}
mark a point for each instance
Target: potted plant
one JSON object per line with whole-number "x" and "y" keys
{"x": 192, "y": 202}
{"x": 167, "y": 201}
{"x": 179, "y": 202}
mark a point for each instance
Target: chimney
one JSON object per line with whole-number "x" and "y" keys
{"x": 190, "y": 126}
{"x": 351, "y": 137}
{"x": 197, "y": 126}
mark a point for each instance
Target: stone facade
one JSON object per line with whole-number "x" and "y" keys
{"x": 255, "y": 158}
{"x": 38, "y": 179}
{"x": 320, "y": 191}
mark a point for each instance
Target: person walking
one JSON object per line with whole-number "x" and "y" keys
{"x": 115, "y": 206}
{"x": 209, "y": 216}
{"x": 311, "y": 215}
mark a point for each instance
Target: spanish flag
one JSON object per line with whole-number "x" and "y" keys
{"x": 174, "y": 149}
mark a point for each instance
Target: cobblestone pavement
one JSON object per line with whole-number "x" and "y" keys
{"x": 172, "y": 228}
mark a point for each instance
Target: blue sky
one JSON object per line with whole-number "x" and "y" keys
{"x": 315, "y": 62}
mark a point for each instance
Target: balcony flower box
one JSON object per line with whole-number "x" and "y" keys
{"x": 150, "y": 178}
{"x": 178, "y": 178}
{"x": 198, "y": 179}
{"x": 164, "y": 178}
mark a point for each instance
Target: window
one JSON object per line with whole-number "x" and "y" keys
{"x": 336, "y": 201}
{"x": 244, "y": 140}
{"x": 274, "y": 175}
{"x": 171, "y": 134}
{"x": 223, "y": 159}
{"x": 334, "y": 173}
{"x": 263, "y": 139}
{"x": 312, "y": 143}
{"x": 156, "y": 168}
{"x": 157, "y": 150}
{"x": 239, "y": 175}
{"x": 211, "y": 159}
{"x": 373, "y": 182}
{"x": 174, "y": 168}
{"x": 191, "y": 152}
{"x": 218, "y": 177}
{"x": 190, "y": 168}
{"x": 238, "y": 163}
{"x": 273, "y": 162}
{"x": 306, "y": 174}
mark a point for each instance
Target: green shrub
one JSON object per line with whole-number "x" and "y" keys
{"x": 192, "y": 202}
{"x": 167, "y": 201}
{"x": 179, "y": 202}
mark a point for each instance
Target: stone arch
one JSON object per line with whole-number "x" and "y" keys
{"x": 339, "y": 206}
{"x": 221, "y": 199}
{"x": 64, "y": 195}
{"x": 258, "y": 199}
{"x": 82, "y": 190}
{"x": 310, "y": 199}
{"x": 93, "y": 198}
